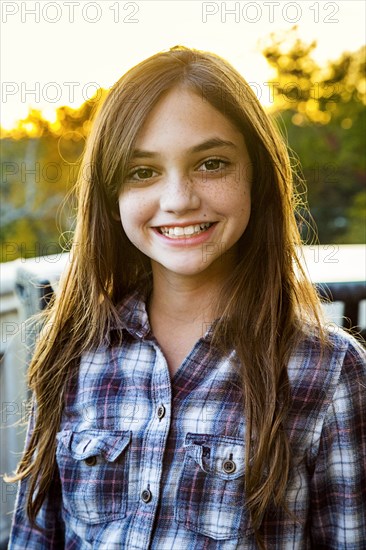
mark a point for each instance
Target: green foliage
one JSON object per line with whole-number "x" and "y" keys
{"x": 323, "y": 111}
{"x": 41, "y": 161}
{"x": 357, "y": 216}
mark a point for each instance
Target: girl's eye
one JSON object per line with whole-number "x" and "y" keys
{"x": 141, "y": 174}
{"x": 213, "y": 165}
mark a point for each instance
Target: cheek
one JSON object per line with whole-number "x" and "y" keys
{"x": 134, "y": 212}
{"x": 127, "y": 210}
{"x": 236, "y": 203}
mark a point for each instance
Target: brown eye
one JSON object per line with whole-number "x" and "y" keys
{"x": 143, "y": 173}
{"x": 212, "y": 164}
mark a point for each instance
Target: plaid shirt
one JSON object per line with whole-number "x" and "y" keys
{"x": 146, "y": 462}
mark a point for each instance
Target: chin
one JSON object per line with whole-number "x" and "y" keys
{"x": 187, "y": 270}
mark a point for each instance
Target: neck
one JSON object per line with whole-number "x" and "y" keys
{"x": 183, "y": 299}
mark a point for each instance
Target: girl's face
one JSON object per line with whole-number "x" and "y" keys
{"x": 186, "y": 200}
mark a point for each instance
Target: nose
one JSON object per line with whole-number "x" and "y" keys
{"x": 179, "y": 195}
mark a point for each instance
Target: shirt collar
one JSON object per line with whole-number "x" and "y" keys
{"x": 132, "y": 313}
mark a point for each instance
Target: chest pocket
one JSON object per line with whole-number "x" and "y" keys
{"x": 210, "y": 493}
{"x": 93, "y": 466}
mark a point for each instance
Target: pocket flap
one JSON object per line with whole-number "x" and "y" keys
{"x": 87, "y": 443}
{"x": 222, "y": 456}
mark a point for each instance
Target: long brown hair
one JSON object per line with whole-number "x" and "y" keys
{"x": 266, "y": 303}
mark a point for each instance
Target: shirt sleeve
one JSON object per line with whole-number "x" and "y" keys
{"x": 23, "y": 535}
{"x": 338, "y": 485}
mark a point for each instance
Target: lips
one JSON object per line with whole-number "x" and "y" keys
{"x": 179, "y": 231}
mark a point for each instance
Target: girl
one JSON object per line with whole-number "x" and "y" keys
{"x": 186, "y": 394}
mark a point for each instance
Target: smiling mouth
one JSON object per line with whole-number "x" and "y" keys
{"x": 184, "y": 232}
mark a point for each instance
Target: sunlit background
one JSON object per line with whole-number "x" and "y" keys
{"x": 305, "y": 61}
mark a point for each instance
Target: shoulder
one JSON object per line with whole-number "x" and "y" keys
{"x": 350, "y": 386}
{"x": 339, "y": 353}
{"x": 326, "y": 379}
{"x": 352, "y": 350}
{"x": 347, "y": 354}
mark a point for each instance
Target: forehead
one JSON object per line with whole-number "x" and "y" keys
{"x": 182, "y": 115}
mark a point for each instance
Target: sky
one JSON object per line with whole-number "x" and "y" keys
{"x": 57, "y": 53}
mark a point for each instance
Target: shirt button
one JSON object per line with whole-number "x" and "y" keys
{"x": 91, "y": 460}
{"x": 146, "y": 495}
{"x": 161, "y": 412}
{"x": 229, "y": 466}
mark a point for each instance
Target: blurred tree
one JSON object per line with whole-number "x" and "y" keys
{"x": 40, "y": 164}
{"x": 323, "y": 111}
{"x": 357, "y": 212}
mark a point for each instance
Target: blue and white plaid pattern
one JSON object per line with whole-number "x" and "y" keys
{"x": 145, "y": 462}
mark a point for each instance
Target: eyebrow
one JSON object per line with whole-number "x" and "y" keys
{"x": 204, "y": 146}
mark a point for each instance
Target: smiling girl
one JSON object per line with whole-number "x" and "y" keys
{"x": 186, "y": 394}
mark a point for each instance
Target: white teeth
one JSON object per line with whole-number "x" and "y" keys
{"x": 188, "y": 230}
